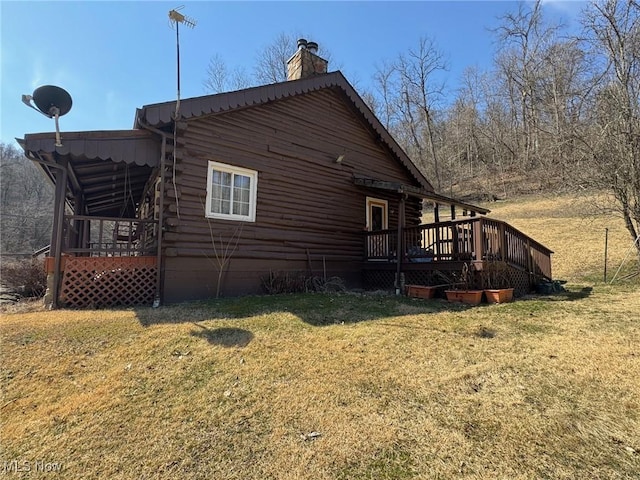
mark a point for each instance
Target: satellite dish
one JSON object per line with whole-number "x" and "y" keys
{"x": 52, "y": 102}
{"x": 49, "y": 97}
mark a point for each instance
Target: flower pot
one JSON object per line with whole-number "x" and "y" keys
{"x": 472, "y": 297}
{"x": 420, "y": 291}
{"x": 499, "y": 295}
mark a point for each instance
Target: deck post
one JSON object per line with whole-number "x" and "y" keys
{"x": 399, "y": 246}
{"x": 57, "y": 232}
{"x": 455, "y": 245}
{"x": 532, "y": 274}
{"x": 86, "y": 235}
{"x": 478, "y": 239}
{"x": 453, "y": 212}
{"x": 502, "y": 247}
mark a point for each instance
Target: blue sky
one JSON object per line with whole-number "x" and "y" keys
{"x": 113, "y": 57}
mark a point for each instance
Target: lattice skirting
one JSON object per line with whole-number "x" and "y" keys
{"x": 385, "y": 279}
{"x": 108, "y": 281}
{"x": 378, "y": 279}
{"x": 521, "y": 282}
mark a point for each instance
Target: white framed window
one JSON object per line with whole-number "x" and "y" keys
{"x": 231, "y": 192}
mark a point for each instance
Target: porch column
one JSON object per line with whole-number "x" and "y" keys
{"x": 57, "y": 231}
{"x": 436, "y": 218}
{"x": 399, "y": 245}
{"x": 453, "y": 212}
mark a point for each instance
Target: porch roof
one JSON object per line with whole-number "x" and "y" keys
{"x": 108, "y": 170}
{"x": 398, "y": 187}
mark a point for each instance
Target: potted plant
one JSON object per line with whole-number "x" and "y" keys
{"x": 463, "y": 289}
{"x": 496, "y": 282}
{"x": 421, "y": 291}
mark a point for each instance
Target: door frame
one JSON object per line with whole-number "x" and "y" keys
{"x": 377, "y": 202}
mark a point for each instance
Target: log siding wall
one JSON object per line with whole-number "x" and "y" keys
{"x": 307, "y": 204}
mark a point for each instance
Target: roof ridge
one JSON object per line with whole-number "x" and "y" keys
{"x": 163, "y": 113}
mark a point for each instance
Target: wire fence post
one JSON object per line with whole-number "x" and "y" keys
{"x": 606, "y": 247}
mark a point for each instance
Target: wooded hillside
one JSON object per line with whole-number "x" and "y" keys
{"x": 557, "y": 111}
{"x": 26, "y": 204}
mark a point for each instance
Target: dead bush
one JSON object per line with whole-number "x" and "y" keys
{"x": 26, "y": 276}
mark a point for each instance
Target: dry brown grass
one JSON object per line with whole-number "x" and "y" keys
{"x": 568, "y": 226}
{"x": 541, "y": 388}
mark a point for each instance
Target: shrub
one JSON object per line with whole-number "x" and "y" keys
{"x": 284, "y": 282}
{"x": 297, "y": 282}
{"x": 26, "y": 276}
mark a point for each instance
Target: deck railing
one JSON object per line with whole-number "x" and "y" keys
{"x": 109, "y": 237}
{"x": 478, "y": 238}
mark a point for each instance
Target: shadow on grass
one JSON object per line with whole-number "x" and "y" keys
{"x": 566, "y": 295}
{"x": 225, "y": 336}
{"x": 317, "y": 309}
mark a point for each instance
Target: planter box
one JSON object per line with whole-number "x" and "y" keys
{"x": 472, "y": 297}
{"x": 499, "y": 295}
{"x": 420, "y": 291}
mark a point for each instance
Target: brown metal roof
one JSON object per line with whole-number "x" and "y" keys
{"x": 369, "y": 182}
{"x": 160, "y": 114}
{"x": 138, "y": 147}
{"x": 109, "y": 168}
{"x": 113, "y": 166}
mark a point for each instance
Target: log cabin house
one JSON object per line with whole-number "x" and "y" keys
{"x": 298, "y": 176}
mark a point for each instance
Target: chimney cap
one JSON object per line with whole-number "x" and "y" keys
{"x": 302, "y": 43}
{"x": 312, "y": 47}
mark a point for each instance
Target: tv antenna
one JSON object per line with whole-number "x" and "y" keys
{"x": 176, "y": 18}
{"x": 52, "y": 102}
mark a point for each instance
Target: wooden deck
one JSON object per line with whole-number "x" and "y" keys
{"x": 105, "y": 262}
{"x": 443, "y": 247}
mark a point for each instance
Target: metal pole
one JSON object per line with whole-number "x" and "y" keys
{"x": 606, "y": 247}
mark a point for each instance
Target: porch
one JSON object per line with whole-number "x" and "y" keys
{"x": 105, "y": 262}
{"x": 104, "y": 248}
{"x": 430, "y": 253}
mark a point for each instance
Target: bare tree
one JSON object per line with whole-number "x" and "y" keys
{"x": 408, "y": 91}
{"x": 221, "y": 79}
{"x": 270, "y": 66}
{"x": 271, "y": 63}
{"x": 524, "y": 38}
{"x": 613, "y": 144}
{"x": 26, "y": 203}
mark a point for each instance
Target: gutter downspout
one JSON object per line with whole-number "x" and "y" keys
{"x": 59, "y": 220}
{"x": 158, "y": 300}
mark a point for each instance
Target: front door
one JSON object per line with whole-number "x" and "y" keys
{"x": 377, "y": 219}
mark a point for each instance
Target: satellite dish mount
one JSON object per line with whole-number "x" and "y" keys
{"x": 52, "y": 102}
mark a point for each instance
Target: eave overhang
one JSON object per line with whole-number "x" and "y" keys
{"x": 413, "y": 191}
{"x": 108, "y": 170}
{"x": 162, "y": 114}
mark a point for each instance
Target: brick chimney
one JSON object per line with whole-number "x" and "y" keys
{"x": 305, "y": 62}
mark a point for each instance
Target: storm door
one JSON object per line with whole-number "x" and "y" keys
{"x": 377, "y": 221}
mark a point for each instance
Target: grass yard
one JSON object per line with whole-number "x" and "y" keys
{"x": 338, "y": 386}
